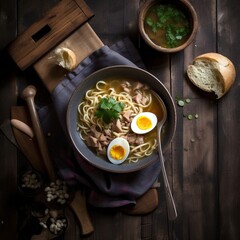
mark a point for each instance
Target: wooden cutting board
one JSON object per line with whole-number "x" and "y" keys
{"x": 65, "y": 25}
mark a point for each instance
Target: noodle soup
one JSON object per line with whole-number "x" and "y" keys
{"x": 135, "y": 98}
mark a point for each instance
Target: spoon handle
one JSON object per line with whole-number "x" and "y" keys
{"x": 171, "y": 207}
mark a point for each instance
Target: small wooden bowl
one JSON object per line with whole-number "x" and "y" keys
{"x": 182, "y": 5}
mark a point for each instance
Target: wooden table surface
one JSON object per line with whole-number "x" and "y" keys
{"x": 203, "y": 160}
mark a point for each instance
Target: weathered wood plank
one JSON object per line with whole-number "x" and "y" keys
{"x": 99, "y": 22}
{"x": 195, "y": 160}
{"x": 8, "y": 22}
{"x": 228, "y": 122}
{"x": 8, "y": 153}
{"x": 32, "y": 11}
{"x": 8, "y": 189}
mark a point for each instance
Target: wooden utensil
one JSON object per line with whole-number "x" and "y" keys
{"x": 145, "y": 204}
{"x": 27, "y": 145}
{"x": 172, "y": 211}
{"x": 78, "y": 204}
{"x": 21, "y": 126}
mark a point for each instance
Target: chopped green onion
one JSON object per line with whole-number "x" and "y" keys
{"x": 180, "y": 103}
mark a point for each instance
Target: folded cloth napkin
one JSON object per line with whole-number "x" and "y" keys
{"x": 105, "y": 189}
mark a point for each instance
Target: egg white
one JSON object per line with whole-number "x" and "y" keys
{"x": 149, "y": 115}
{"x": 123, "y": 143}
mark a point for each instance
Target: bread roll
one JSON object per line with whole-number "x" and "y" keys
{"x": 65, "y": 58}
{"x": 212, "y": 72}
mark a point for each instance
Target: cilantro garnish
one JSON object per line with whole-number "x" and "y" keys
{"x": 171, "y": 21}
{"x": 109, "y": 109}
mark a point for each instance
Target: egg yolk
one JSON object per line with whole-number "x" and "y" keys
{"x": 144, "y": 123}
{"x": 117, "y": 152}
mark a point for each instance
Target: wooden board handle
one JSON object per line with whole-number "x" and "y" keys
{"x": 146, "y": 204}
{"x": 79, "y": 207}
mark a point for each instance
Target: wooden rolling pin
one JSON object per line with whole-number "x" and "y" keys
{"x": 28, "y": 95}
{"x": 78, "y": 204}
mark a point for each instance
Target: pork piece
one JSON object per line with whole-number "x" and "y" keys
{"x": 144, "y": 100}
{"x": 101, "y": 149}
{"x": 105, "y": 143}
{"x": 107, "y": 132}
{"x": 138, "y": 85}
{"x": 139, "y": 140}
{"x": 95, "y": 132}
{"x": 137, "y": 98}
{"x": 102, "y": 138}
{"x": 131, "y": 138}
{"x": 135, "y": 139}
{"x": 140, "y": 98}
{"x": 126, "y": 86}
{"x": 126, "y": 115}
{"x": 92, "y": 141}
{"x": 117, "y": 126}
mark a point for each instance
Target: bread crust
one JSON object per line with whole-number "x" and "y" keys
{"x": 66, "y": 58}
{"x": 225, "y": 68}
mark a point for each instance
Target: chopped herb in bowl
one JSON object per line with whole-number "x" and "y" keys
{"x": 167, "y": 25}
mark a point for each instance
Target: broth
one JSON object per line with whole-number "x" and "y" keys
{"x": 167, "y": 25}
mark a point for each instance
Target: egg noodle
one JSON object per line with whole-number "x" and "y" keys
{"x": 87, "y": 115}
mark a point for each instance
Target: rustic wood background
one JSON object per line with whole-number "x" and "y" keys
{"x": 203, "y": 160}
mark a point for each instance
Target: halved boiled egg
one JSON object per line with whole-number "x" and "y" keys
{"x": 144, "y": 122}
{"x": 118, "y": 150}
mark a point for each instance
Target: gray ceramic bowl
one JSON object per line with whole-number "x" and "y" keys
{"x": 130, "y": 73}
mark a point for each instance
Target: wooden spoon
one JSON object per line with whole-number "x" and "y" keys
{"x": 172, "y": 211}
{"x": 78, "y": 204}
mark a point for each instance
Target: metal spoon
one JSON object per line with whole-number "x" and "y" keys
{"x": 171, "y": 207}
